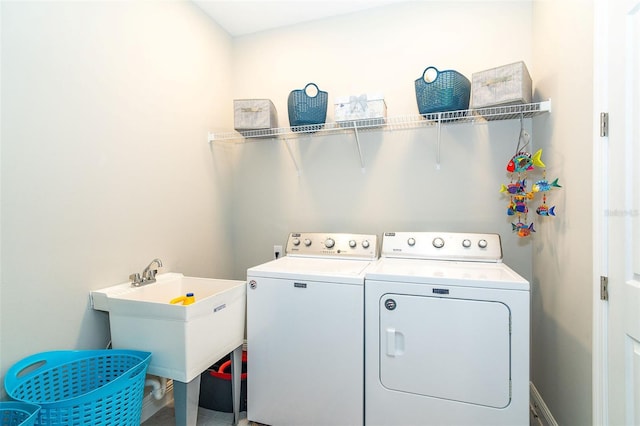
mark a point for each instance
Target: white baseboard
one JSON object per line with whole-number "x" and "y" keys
{"x": 151, "y": 406}
{"x": 540, "y": 414}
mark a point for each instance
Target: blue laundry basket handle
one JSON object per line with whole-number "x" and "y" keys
{"x": 31, "y": 366}
{"x": 305, "y": 90}
{"x": 424, "y": 73}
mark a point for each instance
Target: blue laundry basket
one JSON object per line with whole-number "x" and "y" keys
{"x": 74, "y": 388}
{"x": 448, "y": 91}
{"x": 14, "y": 413}
{"x": 306, "y": 109}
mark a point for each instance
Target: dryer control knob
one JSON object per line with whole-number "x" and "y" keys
{"x": 466, "y": 243}
{"x": 482, "y": 243}
{"x": 411, "y": 242}
{"x": 352, "y": 243}
{"x": 438, "y": 242}
{"x": 307, "y": 242}
{"x": 365, "y": 244}
{"x": 296, "y": 241}
{"x": 329, "y": 243}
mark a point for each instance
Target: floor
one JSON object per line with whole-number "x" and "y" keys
{"x": 166, "y": 417}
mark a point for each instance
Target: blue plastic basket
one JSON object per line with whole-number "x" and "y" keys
{"x": 13, "y": 413}
{"x": 307, "y": 110}
{"x": 95, "y": 387}
{"x": 448, "y": 91}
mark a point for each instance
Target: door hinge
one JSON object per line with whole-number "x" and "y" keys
{"x": 604, "y": 288}
{"x": 604, "y": 124}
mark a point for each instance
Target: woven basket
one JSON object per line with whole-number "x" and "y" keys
{"x": 305, "y": 109}
{"x": 13, "y": 413}
{"x": 95, "y": 387}
{"x": 448, "y": 91}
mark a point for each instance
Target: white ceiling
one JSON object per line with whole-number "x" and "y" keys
{"x": 241, "y": 17}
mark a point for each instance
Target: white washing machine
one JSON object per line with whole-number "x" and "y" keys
{"x": 446, "y": 333}
{"x": 305, "y": 331}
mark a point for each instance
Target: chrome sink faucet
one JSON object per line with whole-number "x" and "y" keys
{"x": 148, "y": 274}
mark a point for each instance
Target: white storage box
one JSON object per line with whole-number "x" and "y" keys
{"x": 254, "y": 114}
{"x": 364, "y": 110}
{"x": 505, "y": 85}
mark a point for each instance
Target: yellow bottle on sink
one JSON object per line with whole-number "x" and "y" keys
{"x": 188, "y": 299}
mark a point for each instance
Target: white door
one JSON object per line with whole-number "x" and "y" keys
{"x": 621, "y": 216}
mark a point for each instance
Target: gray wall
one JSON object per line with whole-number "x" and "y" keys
{"x": 105, "y": 161}
{"x": 105, "y": 111}
{"x": 378, "y": 51}
{"x": 563, "y": 250}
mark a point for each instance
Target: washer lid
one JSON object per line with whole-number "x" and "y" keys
{"x": 466, "y": 274}
{"x": 346, "y": 271}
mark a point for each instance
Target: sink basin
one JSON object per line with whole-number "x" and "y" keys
{"x": 184, "y": 340}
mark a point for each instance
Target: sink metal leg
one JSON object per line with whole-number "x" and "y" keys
{"x": 236, "y": 373}
{"x": 185, "y": 397}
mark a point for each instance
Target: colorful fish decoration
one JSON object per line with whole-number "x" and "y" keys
{"x": 524, "y": 196}
{"x": 516, "y": 207}
{"x": 523, "y": 161}
{"x": 545, "y": 210}
{"x": 544, "y": 185}
{"x": 522, "y": 229}
{"x": 515, "y": 188}
{"x": 520, "y": 166}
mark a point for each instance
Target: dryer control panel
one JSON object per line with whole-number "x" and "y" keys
{"x": 318, "y": 244}
{"x": 468, "y": 247}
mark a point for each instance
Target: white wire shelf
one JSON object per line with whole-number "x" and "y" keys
{"x": 508, "y": 112}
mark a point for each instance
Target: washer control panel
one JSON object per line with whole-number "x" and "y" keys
{"x": 443, "y": 246}
{"x": 318, "y": 244}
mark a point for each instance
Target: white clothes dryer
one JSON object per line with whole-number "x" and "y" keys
{"x": 305, "y": 331}
{"x": 446, "y": 333}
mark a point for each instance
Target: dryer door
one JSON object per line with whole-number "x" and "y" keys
{"x": 454, "y": 349}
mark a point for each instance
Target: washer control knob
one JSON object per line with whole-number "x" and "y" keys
{"x": 307, "y": 242}
{"x": 466, "y": 243}
{"x": 482, "y": 243}
{"x": 296, "y": 241}
{"x": 365, "y": 244}
{"x": 411, "y": 242}
{"x": 352, "y": 243}
{"x": 438, "y": 242}
{"x": 329, "y": 243}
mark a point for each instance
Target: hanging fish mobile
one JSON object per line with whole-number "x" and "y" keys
{"x": 519, "y": 167}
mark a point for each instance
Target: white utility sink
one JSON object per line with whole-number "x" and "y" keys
{"x": 184, "y": 340}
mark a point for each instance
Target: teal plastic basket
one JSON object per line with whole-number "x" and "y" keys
{"x": 447, "y": 91}
{"x": 307, "y": 110}
{"x": 13, "y": 413}
{"x": 72, "y": 388}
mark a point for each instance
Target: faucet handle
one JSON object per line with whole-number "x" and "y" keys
{"x": 135, "y": 278}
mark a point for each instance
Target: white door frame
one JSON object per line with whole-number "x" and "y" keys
{"x": 600, "y": 411}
